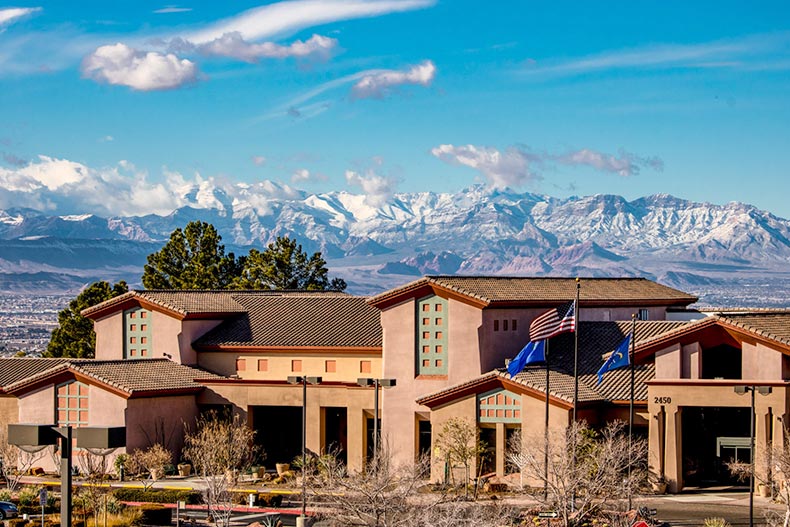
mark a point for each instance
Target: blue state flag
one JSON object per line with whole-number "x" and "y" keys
{"x": 619, "y": 358}
{"x": 532, "y": 352}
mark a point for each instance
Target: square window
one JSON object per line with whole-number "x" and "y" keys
{"x": 132, "y": 315}
{"x": 439, "y": 348}
{"x": 143, "y": 314}
{"x": 73, "y": 390}
{"x": 439, "y": 335}
{"x": 241, "y": 365}
{"x": 143, "y": 327}
{"x": 439, "y": 363}
{"x": 439, "y": 321}
{"x": 504, "y": 325}
{"x": 296, "y": 365}
{"x": 438, "y": 307}
{"x": 83, "y": 390}
{"x": 83, "y": 403}
{"x": 426, "y": 363}
{"x": 426, "y": 321}
{"x": 330, "y": 366}
{"x": 263, "y": 364}
{"x": 426, "y": 307}
{"x": 426, "y": 349}
{"x": 132, "y": 340}
{"x": 364, "y": 366}
{"x": 132, "y": 327}
{"x": 426, "y": 334}
{"x": 133, "y": 352}
{"x": 513, "y": 324}
{"x": 73, "y": 415}
{"x": 143, "y": 340}
{"x": 143, "y": 352}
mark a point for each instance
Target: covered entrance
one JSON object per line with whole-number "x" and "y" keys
{"x": 278, "y": 430}
{"x": 336, "y": 432}
{"x": 712, "y": 436}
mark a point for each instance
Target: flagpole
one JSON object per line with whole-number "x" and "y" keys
{"x": 546, "y": 431}
{"x": 576, "y": 353}
{"x": 631, "y": 406}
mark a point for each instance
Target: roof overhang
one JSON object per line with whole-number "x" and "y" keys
{"x": 422, "y": 288}
{"x": 307, "y": 350}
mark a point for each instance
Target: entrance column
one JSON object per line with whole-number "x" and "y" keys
{"x": 501, "y": 449}
{"x": 656, "y": 443}
{"x": 356, "y": 439}
{"x": 673, "y": 460}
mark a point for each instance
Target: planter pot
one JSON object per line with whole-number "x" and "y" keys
{"x": 764, "y": 490}
{"x": 282, "y": 468}
{"x": 184, "y": 469}
{"x": 261, "y": 472}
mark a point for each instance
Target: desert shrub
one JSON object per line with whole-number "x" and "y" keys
{"x": 715, "y": 522}
{"x": 158, "y": 496}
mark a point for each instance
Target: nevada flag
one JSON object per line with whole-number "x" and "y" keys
{"x": 618, "y": 359}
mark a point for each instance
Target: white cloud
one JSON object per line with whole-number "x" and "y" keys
{"x": 303, "y": 175}
{"x": 377, "y": 189}
{"x": 378, "y": 84}
{"x": 233, "y": 45}
{"x": 119, "y": 64}
{"x": 518, "y": 165}
{"x": 106, "y": 139}
{"x": 508, "y": 168}
{"x": 13, "y": 14}
{"x": 626, "y": 164}
{"x": 291, "y": 16}
{"x": 172, "y": 9}
{"x": 258, "y": 160}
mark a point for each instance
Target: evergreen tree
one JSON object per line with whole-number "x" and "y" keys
{"x": 74, "y": 336}
{"x": 194, "y": 258}
{"x": 284, "y": 265}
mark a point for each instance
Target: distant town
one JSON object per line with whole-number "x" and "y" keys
{"x": 26, "y": 322}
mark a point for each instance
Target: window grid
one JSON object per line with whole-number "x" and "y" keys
{"x": 499, "y": 406}
{"x": 432, "y": 336}
{"x": 137, "y": 336}
{"x": 72, "y": 404}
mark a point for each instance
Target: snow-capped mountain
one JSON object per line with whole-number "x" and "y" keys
{"x": 687, "y": 244}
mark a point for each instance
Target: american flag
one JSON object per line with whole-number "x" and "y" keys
{"x": 553, "y": 322}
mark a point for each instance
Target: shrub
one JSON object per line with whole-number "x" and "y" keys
{"x": 28, "y": 496}
{"x": 715, "y": 522}
{"x": 158, "y": 496}
{"x": 5, "y": 495}
{"x": 17, "y": 522}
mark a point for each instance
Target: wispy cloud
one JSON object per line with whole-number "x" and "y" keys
{"x": 303, "y": 175}
{"x": 12, "y": 14}
{"x": 172, "y": 9}
{"x": 735, "y": 53}
{"x": 233, "y": 45}
{"x": 119, "y": 64}
{"x": 379, "y": 84}
{"x": 519, "y": 165}
{"x": 295, "y": 15}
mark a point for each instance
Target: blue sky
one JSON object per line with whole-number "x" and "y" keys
{"x": 118, "y": 107}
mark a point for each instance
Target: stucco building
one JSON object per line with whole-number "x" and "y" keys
{"x": 163, "y": 357}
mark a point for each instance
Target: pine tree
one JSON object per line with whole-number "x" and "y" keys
{"x": 74, "y": 336}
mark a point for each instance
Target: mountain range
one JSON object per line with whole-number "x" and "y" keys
{"x": 733, "y": 253}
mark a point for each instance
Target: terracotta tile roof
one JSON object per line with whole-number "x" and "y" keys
{"x": 492, "y": 289}
{"x": 774, "y": 325}
{"x": 18, "y": 368}
{"x": 129, "y": 376}
{"x": 596, "y": 341}
{"x": 198, "y": 301}
{"x": 299, "y": 321}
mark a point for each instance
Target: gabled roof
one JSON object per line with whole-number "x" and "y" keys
{"x": 185, "y": 303}
{"x": 596, "y": 340}
{"x": 130, "y": 378}
{"x": 298, "y": 321}
{"x": 531, "y": 291}
{"x": 772, "y": 327}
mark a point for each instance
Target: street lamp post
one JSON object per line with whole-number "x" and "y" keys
{"x": 384, "y": 383}
{"x": 304, "y": 381}
{"x": 763, "y": 390}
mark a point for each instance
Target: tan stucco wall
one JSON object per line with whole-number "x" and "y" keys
{"x": 109, "y": 336}
{"x": 761, "y": 362}
{"x": 9, "y": 411}
{"x": 358, "y": 402}
{"x": 168, "y": 336}
{"x": 669, "y": 363}
{"x": 159, "y": 419}
{"x": 665, "y": 452}
{"x": 348, "y": 365}
{"x": 38, "y": 407}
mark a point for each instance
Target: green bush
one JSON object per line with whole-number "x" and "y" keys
{"x": 28, "y": 496}
{"x": 5, "y": 495}
{"x": 158, "y": 496}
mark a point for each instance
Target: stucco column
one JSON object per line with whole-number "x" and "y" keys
{"x": 314, "y": 425}
{"x": 673, "y": 450}
{"x": 762, "y": 440}
{"x": 656, "y": 442}
{"x": 501, "y": 449}
{"x": 356, "y": 439}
